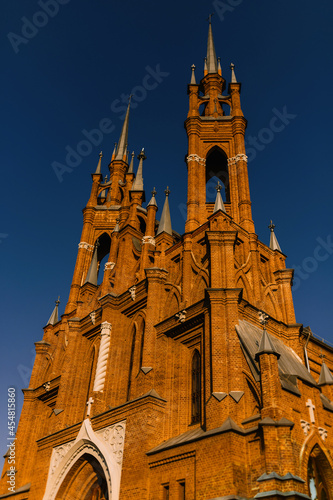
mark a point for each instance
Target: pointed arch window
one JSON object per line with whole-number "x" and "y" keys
{"x": 131, "y": 364}
{"x": 317, "y": 488}
{"x": 196, "y": 387}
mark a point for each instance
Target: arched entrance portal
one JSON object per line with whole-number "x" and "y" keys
{"x": 85, "y": 481}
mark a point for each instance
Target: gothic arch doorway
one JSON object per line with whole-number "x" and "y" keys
{"x": 85, "y": 481}
{"x": 320, "y": 475}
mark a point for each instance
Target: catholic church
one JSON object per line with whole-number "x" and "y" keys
{"x": 178, "y": 371}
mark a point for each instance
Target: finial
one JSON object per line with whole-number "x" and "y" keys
{"x": 57, "y": 302}
{"x": 154, "y": 192}
{"x": 273, "y": 242}
{"x": 193, "y": 80}
{"x": 114, "y": 151}
{"x": 233, "y": 76}
{"x": 209, "y": 18}
{"x": 218, "y": 187}
{"x": 167, "y": 191}
{"x": 211, "y": 55}
{"x": 105, "y": 179}
{"x": 142, "y": 154}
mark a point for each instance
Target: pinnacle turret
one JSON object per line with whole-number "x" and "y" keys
{"x": 193, "y": 80}
{"x": 54, "y": 318}
{"x": 138, "y": 181}
{"x": 131, "y": 167}
{"x": 273, "y": 242}
{"x": 123, "y": 140}
{"x": 98, "y": 168}
{"x": 233, "y": 76}
{"x": 165, "y": 222}
{"x": 153, "y": 199}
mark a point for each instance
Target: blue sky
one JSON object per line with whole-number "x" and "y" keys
{"x": 67, "y": 69}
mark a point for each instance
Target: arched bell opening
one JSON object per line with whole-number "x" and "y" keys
{"x": 84, "y": 481}
{"x": 217, "y": 171}
{"x": 103, "y": 250}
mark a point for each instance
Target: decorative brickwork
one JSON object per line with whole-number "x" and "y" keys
{"x": 206, "y": 387}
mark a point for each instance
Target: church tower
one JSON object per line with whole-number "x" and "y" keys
{"x": 177, "y": 371}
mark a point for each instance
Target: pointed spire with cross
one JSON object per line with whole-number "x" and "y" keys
{"x": 273, "y": 242}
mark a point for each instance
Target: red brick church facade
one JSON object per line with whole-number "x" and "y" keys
{"x": 182, "y": 375}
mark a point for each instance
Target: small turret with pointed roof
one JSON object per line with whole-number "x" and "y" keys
{"x": 273, "y": 242}
{"x": 165, "y": 222}
{"x": 219, "y": 205}
{"x": 153, "y": 199}
{"x": 138, "y": 181}
{"x": 211, "y": 55}
{"x": 123, "y": 140}
{"x": 326, "y": 377}
{"x": 114, "y": 151}
{"x": 54, "y": 318}
{"x": 266, "y": 345}
{"x": 131, "y": 167}
{"x": 193, "y": 80}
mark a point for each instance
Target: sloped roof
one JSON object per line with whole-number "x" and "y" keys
{"x": 289, "y": 363}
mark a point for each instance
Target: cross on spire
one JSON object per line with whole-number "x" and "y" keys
{"x": 209, "y": 18}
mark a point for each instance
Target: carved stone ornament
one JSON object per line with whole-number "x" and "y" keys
{"x": 109, "y": 266}
{"x": 181, "y": 316}
{"x": 263, "y": 317}
{"x": 93, "y": 317}
{"x": 114, "y": 436}
{"x": 322, "y": 433}
{"x": 103, "y": 355}
{"x": 132, "y": 292}
{"x": 305, "y": 426}
{"x": 86, "y": 246}
{"x": 197, "y": 158}
{"x": 148, "y": 239}
{"x": 47, "y": 386}
{"x": 237, "y": 158}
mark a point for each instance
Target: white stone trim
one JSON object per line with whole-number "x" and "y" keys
{"x": 148, "y": 239}
{"x": 106, "y": 445}
{"x": 86, "y": 246}
{"x": 237, "y": 158}
{"x": 197, "y": 158}
{"x": 109, "y": 266}
{"x": 103, "y": 355}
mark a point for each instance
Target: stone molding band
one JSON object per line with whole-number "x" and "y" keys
{"x": 197, "y": 158}
{"x": 86, "y": 246}
{"x": 237, "y": 158}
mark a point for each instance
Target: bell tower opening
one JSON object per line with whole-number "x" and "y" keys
{"x": 217, "y": 170}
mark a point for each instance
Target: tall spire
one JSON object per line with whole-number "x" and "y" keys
{"x": 219, "y": 205}
{"x": 138, "y": 181}
{"x": 211, "y": 55}
{"x": 122, "y": 144}
{"x": 98, "y": 168}
{"x": 54, "y": 316}
{"x": 273, "y": 242}
{"x": 165, "y": 222}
